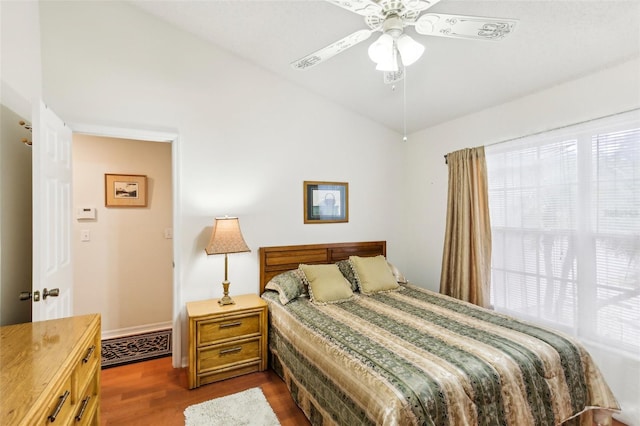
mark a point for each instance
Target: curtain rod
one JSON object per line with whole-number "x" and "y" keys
{"x": 557, "y": 128}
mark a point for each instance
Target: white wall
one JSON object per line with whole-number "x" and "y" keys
{"x": 247, "y": 139}
{"x": 20, "y": 63}
{"x": 608, "y": 92}
{"x": 125, "y": 269}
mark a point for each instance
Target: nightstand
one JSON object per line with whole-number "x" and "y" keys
{"x": 226, "y": 341}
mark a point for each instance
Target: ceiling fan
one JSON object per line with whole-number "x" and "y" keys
{"x": 395, "y": 49}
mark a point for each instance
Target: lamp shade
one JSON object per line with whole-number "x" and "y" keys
{"x": 410, "y": 50}
{"x": 226, "y": 237}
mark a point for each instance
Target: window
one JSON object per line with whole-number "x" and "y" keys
{"x": 565, "y": 219}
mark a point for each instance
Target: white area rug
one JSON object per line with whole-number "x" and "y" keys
{"x": 244, "y": 408}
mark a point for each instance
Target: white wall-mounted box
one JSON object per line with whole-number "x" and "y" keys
{"x": 86, "y": 213}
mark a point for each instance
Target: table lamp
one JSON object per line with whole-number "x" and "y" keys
{"x": 226, "y": 238}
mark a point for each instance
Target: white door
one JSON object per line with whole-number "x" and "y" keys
{"x": 52, "y": 295}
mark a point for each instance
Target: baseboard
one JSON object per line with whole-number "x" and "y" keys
{"x": 136, "y": 348}
{"x": 139, "y": 329}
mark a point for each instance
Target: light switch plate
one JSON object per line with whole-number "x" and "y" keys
{"x": 168, "y": 233}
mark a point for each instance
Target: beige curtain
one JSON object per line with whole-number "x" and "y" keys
{"x": 466, "y": 260}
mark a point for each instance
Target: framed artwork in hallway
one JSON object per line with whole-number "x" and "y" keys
{"x": 125, "y": 190}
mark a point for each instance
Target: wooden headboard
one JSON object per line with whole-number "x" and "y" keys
{"x": 275, "y": 260}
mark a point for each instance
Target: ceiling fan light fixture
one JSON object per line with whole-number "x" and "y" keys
{"x": 388, "y": 66}
{"x": 410, "y": 50}
{"x": 391, "y": 17}
{"x": 381, "y": 49}
{"x": 391, "y": 62}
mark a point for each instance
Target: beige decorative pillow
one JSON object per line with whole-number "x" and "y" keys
{"x": 326, "y": 284}
{"x": 373, "y": 273}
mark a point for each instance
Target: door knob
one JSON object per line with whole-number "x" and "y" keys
{"x": 54, "y": 292}
{"x": 25, "y": 295}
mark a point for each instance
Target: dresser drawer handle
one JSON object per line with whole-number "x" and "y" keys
{"x": 85, "y": 402}
{"x": 63, "y": 398}
{"x": 89, "y": 353}
{"x": 231, "y": 324}
{"x": 230, "y": 350}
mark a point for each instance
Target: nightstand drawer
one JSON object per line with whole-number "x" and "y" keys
{"x": 218, "y": 329}
{"x": 222, "y": 356}
{"x": 217, "y": 375}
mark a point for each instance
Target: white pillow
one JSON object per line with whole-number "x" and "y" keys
{"x": 397, "y": 274}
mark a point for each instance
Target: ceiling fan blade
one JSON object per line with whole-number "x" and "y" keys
{"x": 420, "y": 5}
{"x": 410, "y": 13}
{"x": 461, "y": 26}
{"x": 361, "y": 7}
{"x": 331, "y": 50}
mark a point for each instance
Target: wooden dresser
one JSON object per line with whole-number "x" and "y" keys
{"x": 50, "y": 372}
{"x": 226, "y": 341}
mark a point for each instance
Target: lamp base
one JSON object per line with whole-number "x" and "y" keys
{"x": 226, "y": 300}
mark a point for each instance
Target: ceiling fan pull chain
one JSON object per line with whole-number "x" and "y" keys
{"x": 404, "y": 106}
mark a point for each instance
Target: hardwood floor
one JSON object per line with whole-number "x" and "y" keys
{"x": 154, "y": 393}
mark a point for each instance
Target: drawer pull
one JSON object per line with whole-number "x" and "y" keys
{"x": 89, "y": 353}
{"x": 85, "y": 402}
{"x": 63, "y": 398}
{"x": 230, "y": 350}
{"x": 231, "y": 324}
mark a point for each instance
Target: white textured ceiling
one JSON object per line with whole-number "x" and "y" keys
{"x": 555, "y": 41}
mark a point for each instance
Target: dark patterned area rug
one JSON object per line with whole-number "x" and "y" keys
{"x": 136, "y": 348}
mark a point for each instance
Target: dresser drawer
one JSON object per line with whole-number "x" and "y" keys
{"x": 86, "y": 368}
{"x": 58, "y": 409}
{"x": 87, "y": 412}
{"x": 218, "y": 329}
{"x": 86, "y": 400}
{"x": 225, "y": 355}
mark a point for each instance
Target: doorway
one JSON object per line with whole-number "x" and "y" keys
{"x": 124, "y": 257}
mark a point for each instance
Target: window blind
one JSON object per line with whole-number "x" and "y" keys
{"x": 565, "y": 218}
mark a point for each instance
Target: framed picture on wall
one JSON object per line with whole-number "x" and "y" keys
{"x": 125, "y": 190}
{"x": 326, "y": 202}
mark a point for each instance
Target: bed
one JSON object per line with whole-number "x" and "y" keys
{"x": 406, "y": 355}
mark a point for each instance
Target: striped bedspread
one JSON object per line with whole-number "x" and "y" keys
{"x": 417, "y": 357}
